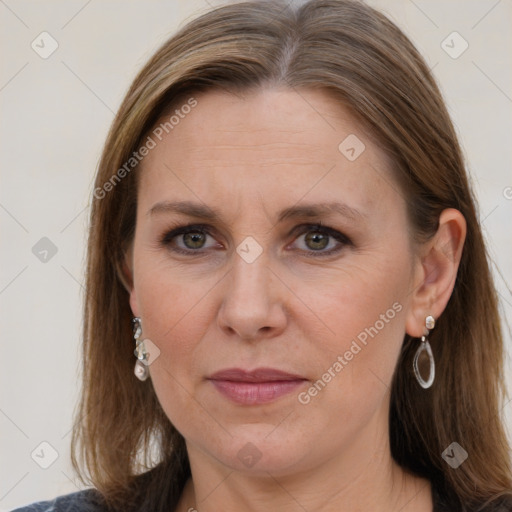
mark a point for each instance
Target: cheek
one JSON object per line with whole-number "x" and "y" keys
{"x": 364, "y": 314}
{"x": 162, "y": 303}
{"x": 171, "y": 313}
{"x": 174, "y": 319}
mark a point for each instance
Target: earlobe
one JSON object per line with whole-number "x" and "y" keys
{"x": 437, "y": 271}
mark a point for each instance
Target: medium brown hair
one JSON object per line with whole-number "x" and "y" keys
{"x": 123, "y": 443}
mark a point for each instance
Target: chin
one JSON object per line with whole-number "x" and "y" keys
{"x": 260, "y": 450}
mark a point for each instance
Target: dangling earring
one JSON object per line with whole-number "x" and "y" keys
{"x": 141, "y": 369}
{"x": 425, "y": 347}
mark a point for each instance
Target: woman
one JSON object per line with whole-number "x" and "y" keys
{"x": 283, "y": 234}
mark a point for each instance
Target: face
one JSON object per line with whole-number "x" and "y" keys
{"x": 272, "y": 268}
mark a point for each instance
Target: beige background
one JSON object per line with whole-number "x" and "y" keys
{"x": 55, "y": 116}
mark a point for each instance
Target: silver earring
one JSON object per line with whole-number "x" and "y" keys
{"x": 425, "y": 347}
{"x": 141, "y": 369}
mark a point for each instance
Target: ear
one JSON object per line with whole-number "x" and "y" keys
{"x": 125, "y": 273}
{"x": 435, "y": 272}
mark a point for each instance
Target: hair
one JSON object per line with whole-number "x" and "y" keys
{"x": 123, "y": 443}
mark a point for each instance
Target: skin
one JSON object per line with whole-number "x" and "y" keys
{"x": 249, "y": 157}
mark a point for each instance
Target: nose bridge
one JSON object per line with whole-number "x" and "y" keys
{"x": 252, "y": 257}
{"x": 250, "y": 280}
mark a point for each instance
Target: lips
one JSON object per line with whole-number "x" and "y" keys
{"x": 255, "y": 387}
{"x": 257, "y": 375}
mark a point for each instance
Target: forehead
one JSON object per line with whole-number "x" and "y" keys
{"x": 281, "y": 145}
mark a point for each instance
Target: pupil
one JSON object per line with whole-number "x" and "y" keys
{"x": 193, "y": 240}
{"x": 317, "y": 240}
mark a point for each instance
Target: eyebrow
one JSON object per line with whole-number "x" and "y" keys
{"x": 203, "y": 211}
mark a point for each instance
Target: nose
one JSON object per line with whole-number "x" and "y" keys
{"x": 253, "y": 302}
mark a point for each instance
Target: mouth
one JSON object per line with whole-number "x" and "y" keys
{"x": 259, "y": 386}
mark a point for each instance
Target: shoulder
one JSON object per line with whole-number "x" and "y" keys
{"x": 88, "y": 500}
{"x": 443, "y": 504}
{"x": 505, "y": 505}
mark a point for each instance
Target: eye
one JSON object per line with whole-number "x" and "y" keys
{"x": 314, "y": 239}
{"x": 319, "y": 240}
{"x": 189, "y": 239}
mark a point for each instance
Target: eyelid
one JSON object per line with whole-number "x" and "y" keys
{"x": 166, "y": 240}
{"x": 304, "y": 228}
{"x": 181, "y": 229}
{"x": 342, "y": 239}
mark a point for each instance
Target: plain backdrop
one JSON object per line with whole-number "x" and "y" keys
{"x": 55, "y": 113}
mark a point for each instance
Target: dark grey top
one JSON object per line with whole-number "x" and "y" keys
{"x": 89, "y": 501}
{"x": 81, "y": 501}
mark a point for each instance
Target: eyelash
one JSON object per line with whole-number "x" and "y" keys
{"x": 343, "y": 240}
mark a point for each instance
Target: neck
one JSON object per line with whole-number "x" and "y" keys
{"x": 364, "y": 477}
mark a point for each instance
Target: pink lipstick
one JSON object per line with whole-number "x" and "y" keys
{"x": 255, "y": 387}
